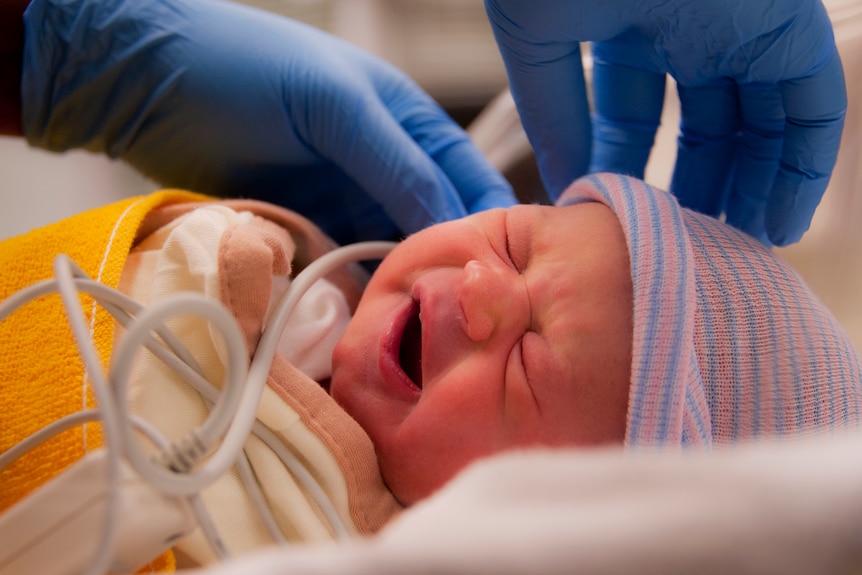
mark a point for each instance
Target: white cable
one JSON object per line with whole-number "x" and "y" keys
{"x": 121, "y": 307}
{"x": 208, "y": 527}
{"x": 319, "y": 268}
{"x": 41, "y": 436}
{"x": 296, "y": 468}
{"x": 201, "y": 513}
{"x": 246, "y": 474}
{"x": 110, "y": 423}
{"x": 235, "y": 407}
{"x": 68, "y": 422}
{"x": 102, "y": 293}
{"x": 213, "y": 311}
{"x": 305, "y": 478}
{"x": 258, "y": 499}
{"x": 222, "y": 417}
{"x": 268, "y": 343}
{"x": 259, "y": 370}
{"x": 273, "y": 329}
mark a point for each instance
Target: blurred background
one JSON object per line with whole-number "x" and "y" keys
{"x": 448, "y": 48}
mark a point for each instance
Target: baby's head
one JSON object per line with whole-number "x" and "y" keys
{"x": 505, "y": 329}
{"x": 617, "y": 317}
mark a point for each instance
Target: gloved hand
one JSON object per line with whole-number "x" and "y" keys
{"x": 760, "y": 83}
{"x": 221, "y": 98}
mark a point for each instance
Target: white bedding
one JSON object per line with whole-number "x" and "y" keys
{"x": 794, "y": 508}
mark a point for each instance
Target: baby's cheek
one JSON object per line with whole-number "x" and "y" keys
{"x": 548, "y": 375}
{"x": 412, "y": 470}
{"x": 437, "y": 440}
{"x": 519, "y": 401}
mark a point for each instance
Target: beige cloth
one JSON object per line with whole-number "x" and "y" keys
{"x": 243, "y": 253}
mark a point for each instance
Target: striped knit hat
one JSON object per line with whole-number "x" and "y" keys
{"x": 729, "y": 343}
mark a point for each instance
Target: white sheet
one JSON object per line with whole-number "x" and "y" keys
{"x": 794, "y": 508}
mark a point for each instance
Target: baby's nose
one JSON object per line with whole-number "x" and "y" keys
{"x": 492, "y": 298}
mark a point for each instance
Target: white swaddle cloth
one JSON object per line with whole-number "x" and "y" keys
{"x": 184, "y": 256}
{"x": 240, "y": 258}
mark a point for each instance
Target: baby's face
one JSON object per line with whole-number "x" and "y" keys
{"x": 504, "y": 329}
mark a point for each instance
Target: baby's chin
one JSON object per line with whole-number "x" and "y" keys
{"x": 411, "y": 487}
{"x": 416, "y": 474}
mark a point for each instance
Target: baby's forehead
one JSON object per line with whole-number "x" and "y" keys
{"x": 574, "y": 209}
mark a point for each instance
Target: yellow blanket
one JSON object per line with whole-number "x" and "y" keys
{"x": 41, "y": 375}
{"x": 42, "y": 378}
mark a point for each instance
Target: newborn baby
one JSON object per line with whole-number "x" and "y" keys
{"x": 614, "y": 317}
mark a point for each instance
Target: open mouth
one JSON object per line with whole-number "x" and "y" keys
{"x": 410, "y": 351}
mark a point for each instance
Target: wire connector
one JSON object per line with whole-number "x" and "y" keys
{"x": 182, "y": 455}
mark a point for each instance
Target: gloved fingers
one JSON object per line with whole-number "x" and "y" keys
{"x": 539, "y": 43}
{"x": 554, "y": 110}
{"x": 762, "y": 137}
{"x": 709, "y": 133}
{"x": 531, "y": 24}
{"x": 815, "y": 108}
{"x": 479, "y": 185}
{"x": 627, "y": 104}
{"x": 364, "y": 139}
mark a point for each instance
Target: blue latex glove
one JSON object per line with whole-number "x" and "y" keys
{"x": 221, "y": 98}
{"x": 761, "y": 89}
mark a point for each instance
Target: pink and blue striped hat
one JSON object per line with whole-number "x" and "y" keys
{"x": 729, "y": 343}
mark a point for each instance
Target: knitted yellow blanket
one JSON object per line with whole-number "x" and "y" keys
{"x": 42, "y": 377}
